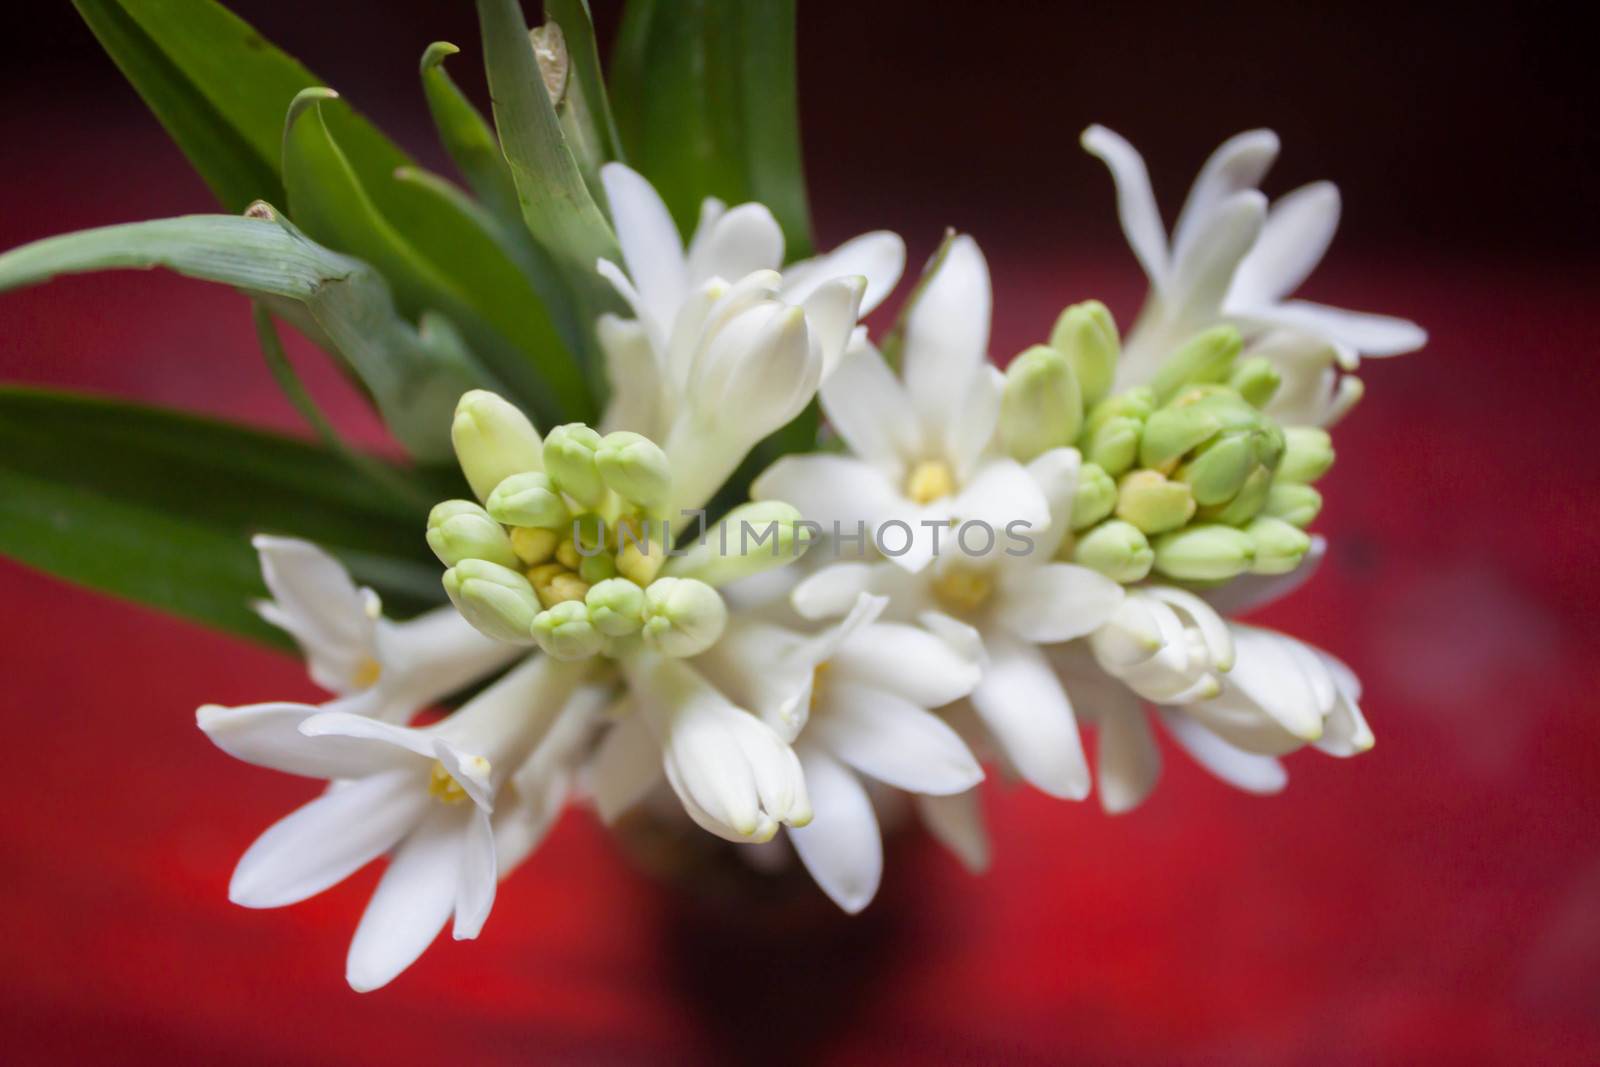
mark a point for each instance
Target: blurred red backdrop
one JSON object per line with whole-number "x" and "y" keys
{"x": 1435, "y": 899}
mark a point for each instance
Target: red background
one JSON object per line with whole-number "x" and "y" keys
{"x": 1436, "y": 899}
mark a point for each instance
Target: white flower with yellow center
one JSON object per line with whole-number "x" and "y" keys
{"x": 427, "y": 797}
{"x": 1233, "y": 259}
{"x": 920, "y": 443}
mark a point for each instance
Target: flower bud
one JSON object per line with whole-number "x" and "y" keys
{"x": 1094, "y": 498}
{"x": 533, "y": 545}
{"x": 1206, "y": 357}
{"x": 496, "y": 600}
{"x": 1294, "y": 504}
{"x": 1173, "y": 431}
{"x": 569, "y": 459}
{"x": 594, "y": 569}
{"x": 493, "y": 440}
{"x": 1218, "y": 472}
{"x": 1041, "y": 407}
{"x": 1149, "y": 501}
{"x": 750, "y": 539}
{"x": 641, "y": 560}
{"x": 565, "y": 632}
{"x": 1114, "y": 444}
{"x": 1307, "y": 454}
{"x": 1279, "y": 546}
{"x": 616, "y": 607}
{"x": 1257, "y": 380}
{"x": 1205, "y": 552}
{"x": 1117, "y": 550}
{"x": 528, "y": 499}
{"x": 635, "y": 468}
{"x": 460, "y": 529}
{"x": 682, "y": 617}
{"x": 1087, "y": 335}
{"x": 1250, "y": 498}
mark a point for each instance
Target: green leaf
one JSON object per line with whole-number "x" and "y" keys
{"x": 339, "y": 302}
{"x": 469, "y": 139}
{"x": 158, "y": 507}
{"x": 577, "y": 24}
{"x": 705, "y": 97}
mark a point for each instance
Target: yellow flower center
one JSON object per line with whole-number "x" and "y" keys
{"x": 443, "y": 787}
{"x": 962, "y": 590}
{"x": 930, "y": 480}
{"x": 368, "y": 671}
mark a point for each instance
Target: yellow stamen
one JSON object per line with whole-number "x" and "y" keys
{"x": 962, "y": 590}
{"x": 930, "y": 480}
{"x": 444, "y": 788}
{"x": 367, "y": 673}
{"x": 816, "y": 681}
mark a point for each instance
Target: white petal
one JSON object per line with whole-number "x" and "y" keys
{"x": 322, "y": 843}
{"x": 1345, "y": 729}
{"x": 879, "y": 257}
{"x": 412, "y": 902}
{"x": 636, "y": 389}
{"x": 1003, "y": 495}
{"x": 1056, "y": 473}
{"x": 742, "y": 240}
{"x": 268, "y": 735}
{"x": 1202, "y": 275}
{"x": 651, "y": 248}
{"x": 1055, "y": 601}
{"x": 432, "y": 656}
{"x": 887, "y": 737}
{"x": 1296, "y": 235}
{"x": 1271, "y": 674}
{"x": 1022, "y": 703}
{"x": 476, "y": 879}
{"x": 1240, "y": 769}
{"x": 833, "y": 489}
{"x": 1240, "y": 163}
{"x": 947, "y": 336}
{"x": 1136, "y": 203}
{"x": 1251, "y": 591}
{"x": 1369, "y": 334}
{"x": 836, "y": 589}
{"x": 956, "y": 821}
{"x": 1129, "y": 760}
{"x": 868, "y": 407}
{"x": 969, "y": 430}
{"x": 320, "y": 607}
{"x": 401, "y": 739}
{"x": 626, "y": 766}
{"x": 831, "y": 313}
{"x": 908, "y": 661}
{"x": 841, "y": 847}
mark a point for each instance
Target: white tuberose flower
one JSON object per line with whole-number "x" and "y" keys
{"x": 921, "y": 442}
{"x": 379, "y": 668}
{"x": 424, "y": 795}
{"x": 1232, "y": 259}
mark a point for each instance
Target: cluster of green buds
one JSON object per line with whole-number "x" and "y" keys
{"x": 569, "y": 547}
{"x": 1183, "y": 477}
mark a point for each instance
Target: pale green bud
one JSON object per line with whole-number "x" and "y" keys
{"x": 1117, "y": 550}
{"x": 1172, "y": 431}
{"x": 493, "y": 440}
{"x": 1114, "y": 444}
{"x": 635, "y": 468}
{"x": 529, "y": 499}
{"x": 1138, "y": 403}
{"x": 1279, "y": 546}
{"x": 1250, "y": 499}
{"x": 1295, "y": 504}
{"x": 565, "y": 632}
{"x": 616, "y": 607}
{"x": 682, "y": 617}
{"x": 1087, "y": 335}
{"x": 1041, "y": 407}
{"x": 460, "y": 529}
{"x": 569, "y": 459}
{"x": 1206, "y": 357}
{"x": 1096, "y": 495}
{"x": 1218, "y": 473}
{"x": 1205, "y": 552}
{"x": 594, "y": 569}
{"x": 1152, "y": 503}
{"x": 1257, "y": 380}
{"x": 750, "y": 539}
{"x": 497, "y": 600}
{"x": 1307, "y": 454}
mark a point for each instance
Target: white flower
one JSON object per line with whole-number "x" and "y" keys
{"x": 424, "y": 796}
{"x": 920, "y": 443}
{"x": 379, "y": 668}
{"x": 854, "y": 700}
{"x": 1232, "y": 259}
{"x": 1002, "y": 607}
{"x": 724, "y": 349}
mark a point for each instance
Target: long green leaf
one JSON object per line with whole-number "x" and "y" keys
{"x": 704, "y": 93}
{"x": 158, "y": 507}
{"x": 339, "y": 302}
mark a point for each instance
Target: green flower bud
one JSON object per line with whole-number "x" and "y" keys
{"x": 1270, "y": 444}
{"x": 1117, "y": 550}
{"x": 682, "y": 616}
{"x": 1138, "y": 403}
{"x": 1250, "y": 499}
{"x": 1041, "y": 407}
{"x": 1147, "y": 500}
{"x": 569, "y": 459}
{"x": 529, "y": 499}
{"x": 493, "y": 440}
{"x": 1096, "y": 495}
{"x": 1257, "y": 380}
{"x": 1172, "y": 431}
{"x": 496, "y": 600}
{"x": 635, "y": 468}
{"x": 1294, "y": 504}
{"x": 460, "y": 529}
{"x": 1307, "y": 454}
{"x": 1087, "y": 335}
{"x": 1114, "y": 444}
{"x": 751, "y": 538}
{"x": 1206, "y": 357}
{"x": 616, "y": 607}
{"x": 1218, "y": 472}
{"x": 594, "y": 569}
{"x": 1279, "y": 546}
{"x": 565, "y": 632}
{"x": 1205, "y": 552}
